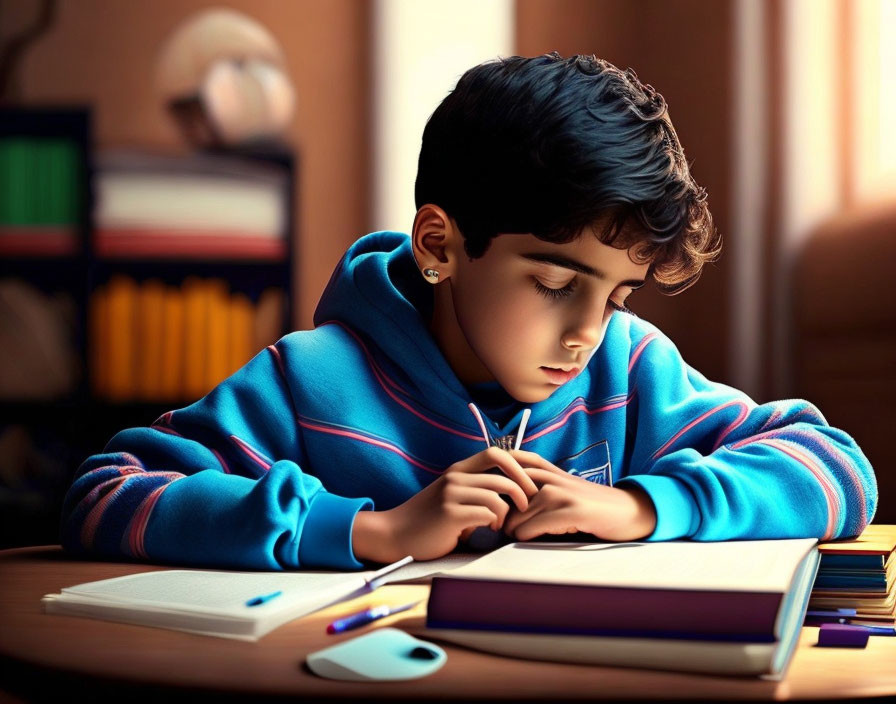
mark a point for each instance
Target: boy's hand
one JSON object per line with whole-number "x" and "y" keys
{"x": 569, "y": 504}
{"x": 430, "y": 523}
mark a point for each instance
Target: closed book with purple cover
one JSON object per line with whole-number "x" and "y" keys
{"x": 742, "y": 591}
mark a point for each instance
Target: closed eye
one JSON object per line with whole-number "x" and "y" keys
{"x": 549, "y": 292}
{"x": 567, "y": 290}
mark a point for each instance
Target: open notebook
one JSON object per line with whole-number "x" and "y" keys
{"x": 216, "y": 603}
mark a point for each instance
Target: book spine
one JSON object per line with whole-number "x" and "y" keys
{"x": 99, "y": 341}
{"x": 564, "y": 608}
{"x": 239, "y": 332}
{"x": 195, "y": 350}
{"x": 155, "y": 342}
{"x": 122, "y": 293}
{"x": 150, "y": 312}
{"x": 218, "y": 324}
{"x": 268, "y": 323}
{"x": 172, "y": 344}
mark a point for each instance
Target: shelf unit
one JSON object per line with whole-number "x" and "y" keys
{"x": 65, "y": 429}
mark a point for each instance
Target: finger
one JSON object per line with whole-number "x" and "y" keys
{"x": 500, "y": 485}
{"x": 542, "y": 476}
{"x": 469, "y": 517}
{"x": 503, "y": 460}
{"x": 533, "y": 459}
{"x": 466, "y": 533}
{"x": 517, "y": 518}
{"x": 494, "y": 482}
{"x": 545, "y": 523}
{"x": 475, "y": 496}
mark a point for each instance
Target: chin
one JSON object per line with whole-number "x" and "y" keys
{"x": 531, "y": 395}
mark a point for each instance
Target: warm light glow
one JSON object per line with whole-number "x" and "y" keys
{"x": 813, "y": 110}
{"x": 874, "y": 59}
{"x": 421, "y": 48}
{"x": 887, "y": 82}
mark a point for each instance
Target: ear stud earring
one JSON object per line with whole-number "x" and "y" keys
{"x": 431, "y": 275}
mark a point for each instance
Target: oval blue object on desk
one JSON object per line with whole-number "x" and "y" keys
{"x": 386, "y": 654}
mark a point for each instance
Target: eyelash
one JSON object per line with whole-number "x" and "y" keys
{"x": 568, "y": 289}
{"x": 555, "y": 292}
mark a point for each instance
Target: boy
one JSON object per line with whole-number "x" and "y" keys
{"x": 548, "y": 191}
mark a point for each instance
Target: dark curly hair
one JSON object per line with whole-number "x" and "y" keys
{"x": 552, "y": 146}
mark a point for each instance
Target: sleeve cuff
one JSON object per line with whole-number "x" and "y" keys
{"x": 327, "y": 533}
{"x": 677, "y": 515}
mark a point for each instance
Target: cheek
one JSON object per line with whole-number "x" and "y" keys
{"x": 519, "y": 328}
{"x": 480, "y": 304}
{"x": 505, "y": 319}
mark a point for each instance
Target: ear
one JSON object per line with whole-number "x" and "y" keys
{"x": 436, "y": 241}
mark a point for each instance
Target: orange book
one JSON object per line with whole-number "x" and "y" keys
{"x": 217, "y": 368}
{"x": 171, "y": 384}
{"x": 150, "y": 322}
{"x": 268, "y": 323}
{"x": 240, "y": 336}
{"x": 122, "y": 291}
{"x": 99, "y": 342}
{"x": 196, "y": 314}
{"x": 876, "y": 539}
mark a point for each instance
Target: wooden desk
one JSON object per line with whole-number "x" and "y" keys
{"x": 99, "y": 659}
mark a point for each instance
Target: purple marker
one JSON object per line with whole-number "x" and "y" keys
{"x": 362, "y": 618}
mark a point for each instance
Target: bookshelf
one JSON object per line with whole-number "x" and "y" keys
{"x": 56, "y": 241}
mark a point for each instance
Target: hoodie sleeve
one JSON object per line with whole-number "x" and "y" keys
{"x": 717, "y": 466}
{"x": 216, "y": 483}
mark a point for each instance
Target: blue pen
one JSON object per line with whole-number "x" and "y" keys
{"x": 878, "y": 630}
{"x": 362, "y": 618}
{"x": 263, "y": 599}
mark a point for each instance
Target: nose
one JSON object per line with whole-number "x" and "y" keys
{"x": 586, "y": 329}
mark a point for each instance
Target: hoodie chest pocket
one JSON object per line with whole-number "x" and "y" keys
{"x": 592, "y": 463}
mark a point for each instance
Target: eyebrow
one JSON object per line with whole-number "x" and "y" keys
{"x": 567, "y": 263}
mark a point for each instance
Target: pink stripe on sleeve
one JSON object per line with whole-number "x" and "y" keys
{"x": 830, "y": 493}
{"x": 784, "y": 434}
{"x": 274, "y": 351}
{"x": 108, "y": 489}
{"x": 371, "y": 441}
{"x": 136, "y": 534}
{"x": 384, "y": 381}
{"x": 251, "y": 453}
{"x": 640, "y": 348}
{"x": 743, "y": 414}
{"x": 579, "y": 408}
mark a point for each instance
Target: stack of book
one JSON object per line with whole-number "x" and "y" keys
{"x": 199, "y": 205}
{"x": 733, "y": 608}
{"x": 155, "y": 342}
{"x": 40, "y": 192}
{"x": 855, "y": 583}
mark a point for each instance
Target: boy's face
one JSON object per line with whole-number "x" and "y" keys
{"x": 530, "y": 313}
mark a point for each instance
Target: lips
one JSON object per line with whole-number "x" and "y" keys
{"x": 559, "y": 377}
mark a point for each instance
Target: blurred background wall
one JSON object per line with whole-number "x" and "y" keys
{"x": 784, "y": 109}
{"x": 103, "y": 53}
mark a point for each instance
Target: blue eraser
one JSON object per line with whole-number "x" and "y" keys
{"x": 840, "y": 635}
{"x": 384, "y": 654}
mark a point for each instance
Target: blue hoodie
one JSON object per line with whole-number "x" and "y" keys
{"x": 270, "y": 468}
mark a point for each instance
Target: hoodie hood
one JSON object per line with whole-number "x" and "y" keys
{"x": 377, "y": 292}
